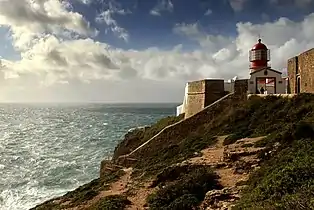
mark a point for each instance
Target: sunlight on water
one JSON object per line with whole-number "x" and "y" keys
{"x": 49, "y": 150}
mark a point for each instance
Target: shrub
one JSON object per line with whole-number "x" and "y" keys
{"x": 137, "y": 137}
{"x": 282, "y": 180}
{"x": 111, "y": 202}
{"x": 187, "y": 201}
{"x": 174, "y": 153}
{"x": 192, "y": 185}
{"x": 236, "y": 136}
{"x": 90, "y": 190}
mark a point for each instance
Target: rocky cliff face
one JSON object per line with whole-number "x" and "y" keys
{"x": 240, "y": 154}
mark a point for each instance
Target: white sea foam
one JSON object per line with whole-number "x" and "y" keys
{"x": 47, "y": 151}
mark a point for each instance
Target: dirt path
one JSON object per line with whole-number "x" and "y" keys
{"x": 139, "y": 196}
{"x": 116, "y": 188}
{"x": 212, "y": 155}
{"x": 120, "y": 186}
{"x": 216, "y": 156}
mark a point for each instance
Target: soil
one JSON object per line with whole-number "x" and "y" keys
{"x": 216, "y": 156}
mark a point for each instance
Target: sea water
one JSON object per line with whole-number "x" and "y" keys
{"x": 49, "y": 149}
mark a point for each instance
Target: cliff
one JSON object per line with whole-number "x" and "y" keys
{"x": 241, "y": 154}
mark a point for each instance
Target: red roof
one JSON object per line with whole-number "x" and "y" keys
{"x": 259, "y": 46}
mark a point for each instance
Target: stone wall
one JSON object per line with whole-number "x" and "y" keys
{"x": 302, "y": 66}
{"x": 201, "y": 94}
{"x": 183, "y": 128}
{"x": 195, "y": 97}
{"x": 214, "y": 90}
{"x": 241, "y": 87}
{"x": 292, "y": 66}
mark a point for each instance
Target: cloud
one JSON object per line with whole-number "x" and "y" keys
{"x": 237, "y": 5}
{"x": 162, "y": 5}
{"x": 218, "y": 56}
{"x": 86, "y": 1}
{"x": 206, "y": 41}
{"x": 110, "y": 8}
{"x": 265, "y": 17}
{"x": 106, "y": 18}
{"x": 32, "y": 19}
{"x": 80, "y": 68}
{"x": 298, "y": 3}
{"x": 208, "y": 12}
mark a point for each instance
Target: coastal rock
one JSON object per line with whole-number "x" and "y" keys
{"x": 107, "y": 167}
{"x": 131, "y": 140}
{"x": 220, "y": 199}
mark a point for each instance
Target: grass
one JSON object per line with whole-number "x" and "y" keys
{"x": 138, "y": 136}
{"x": 83, "y": 193}
{"x": 112, "y": 202}
{"x": 174, "y": 153}
{"x": 255, "y": 117}
{"x": 182, "y": 187}
{"x": 90, "y": 190}
{"x": 48, "y": 205}
{"x": 284, "y": 181}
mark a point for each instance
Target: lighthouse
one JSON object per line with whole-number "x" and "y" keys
{"x": 259, "y": 56}
{"x": 263, "y": 79}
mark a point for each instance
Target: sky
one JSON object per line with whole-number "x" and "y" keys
{"x": 131, "y": 51}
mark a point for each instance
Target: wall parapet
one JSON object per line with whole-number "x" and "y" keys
{"x": 202, "y": 93}
{"x": 176, "y": 129}
{"x": 265, "y": 95}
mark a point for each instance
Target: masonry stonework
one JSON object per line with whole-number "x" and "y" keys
{"x": 241, "y": 87}
{"x": 302, "y": 67}
{"x": 292, "y": 66}
{"x": 201, "y": 94}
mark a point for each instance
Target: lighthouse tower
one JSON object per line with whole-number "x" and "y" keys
{"x": 264, "y": 79}
{"x": 259, "y": 56}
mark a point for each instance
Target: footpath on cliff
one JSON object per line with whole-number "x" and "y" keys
{"x": 238, "y": 154}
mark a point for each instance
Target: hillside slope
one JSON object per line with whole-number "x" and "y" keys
{"x": 264, "y": 144}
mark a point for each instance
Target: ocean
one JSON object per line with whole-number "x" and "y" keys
{"x": 49, "y": 149}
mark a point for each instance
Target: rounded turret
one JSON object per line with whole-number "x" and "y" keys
{"x": 259, "y": 56}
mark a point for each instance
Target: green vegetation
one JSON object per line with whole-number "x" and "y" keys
{"x": 182, "y": 187}
{"x": 112, "y": 202}
{"x": 234, "y": 138}
{"x": 90, "y": 190}
{"x": 285, "y": 177}
{"x": 83, "y": 193}
{"x": 174, "y": 153}
{"x": 138, "y": 136}
{"x": 48, "y": 205}
{"x": 285, "y": 181}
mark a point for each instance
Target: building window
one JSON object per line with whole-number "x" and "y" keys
{"x": 259, "y": 55}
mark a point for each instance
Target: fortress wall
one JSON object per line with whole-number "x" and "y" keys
{"x": 214, "y": 90}
{"x": 195, "y": 97}
{"x": 306, "y": 67}
{"x": 241, "y": 87}
{"x": 291, "y": 67}
{"x": 181, "y": 129}
{"x": 302, "y": 64}
{"x": 202, "y": 93}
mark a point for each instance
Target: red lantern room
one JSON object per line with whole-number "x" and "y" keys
{"x": 259, "y": 56}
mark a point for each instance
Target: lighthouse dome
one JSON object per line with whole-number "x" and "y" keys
{"x": 259, "y": 46}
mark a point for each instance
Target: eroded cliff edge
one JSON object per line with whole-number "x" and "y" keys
{"x": 240, "y": 154}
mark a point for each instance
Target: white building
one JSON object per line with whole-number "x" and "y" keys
{"x": 263, "y": 79}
